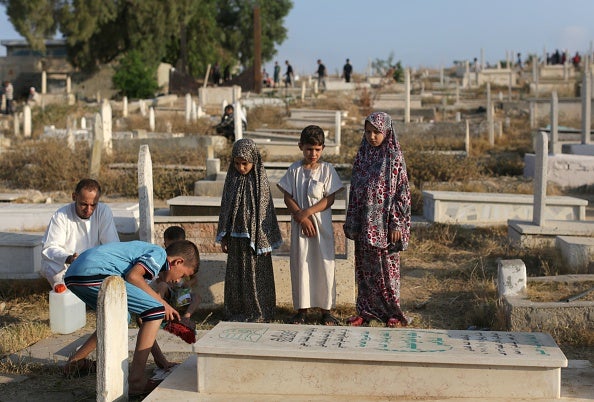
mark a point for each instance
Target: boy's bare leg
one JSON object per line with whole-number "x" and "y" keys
{"x": 144, "y": 343}
{"x": 160, "y": 359}
{"x": 86, "y": 348}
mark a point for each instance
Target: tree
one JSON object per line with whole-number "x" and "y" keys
{"x": 35, "y": 20}
{"x": 235, "y": 18}
{"x": 135, "y": 77}
{"x": 187, "y": 33}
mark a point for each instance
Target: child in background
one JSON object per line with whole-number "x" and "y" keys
{"x": 134, "y": 261}
{"x": 248, "y": 231}
{"x": 184, "y": 293}
{"x": 227, "y": 124}
{"x": 309, "y": 188}
{"x": 378, "y": 220}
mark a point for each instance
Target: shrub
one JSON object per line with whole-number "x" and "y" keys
{"x": 134, "y": 77}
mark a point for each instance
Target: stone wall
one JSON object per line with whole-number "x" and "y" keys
{"x": 202, "y": 231}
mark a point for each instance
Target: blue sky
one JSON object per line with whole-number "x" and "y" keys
{"x": 429, "y": 33}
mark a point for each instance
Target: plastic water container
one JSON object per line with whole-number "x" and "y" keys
{"x": 67, "y": 312}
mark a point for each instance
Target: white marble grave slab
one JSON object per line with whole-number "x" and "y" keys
{"x": 283, "y": 359}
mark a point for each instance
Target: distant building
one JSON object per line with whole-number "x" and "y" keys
{"x": 23, "y": 66}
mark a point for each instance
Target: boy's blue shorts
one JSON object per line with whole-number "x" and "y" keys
{"x": 139, "y": 302}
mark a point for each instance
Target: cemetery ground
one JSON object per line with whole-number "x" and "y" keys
{"x": 449, "y": 273}
{"x": 448, "y": 282}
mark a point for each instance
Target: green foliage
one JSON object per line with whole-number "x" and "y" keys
{"x": 189, "y": 34}
{"x": 33, "y": 19}
{"x": 389, "y": 68}
{"x": 134, "y": 77}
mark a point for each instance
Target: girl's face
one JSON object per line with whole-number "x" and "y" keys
{"x": 373, "y": 135}
{"x": 242, "y": 165}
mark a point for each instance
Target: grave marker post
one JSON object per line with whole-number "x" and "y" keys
{"x": 125, "y": 107}
{"x": 407, "y": 95}
{"x": 112, "y": 341}
{"x": 146, "y": 231}
{"x": 152, "y": 118}
{"x": 27, "y": 121}
{"x": 237, "y": 114}
{"x": 586, "y": 106}
{"x": 555, "y": 145}
{"x": 540, "y": 179}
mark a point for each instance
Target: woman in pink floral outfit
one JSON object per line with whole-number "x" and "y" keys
{"x": 378, "y": 220}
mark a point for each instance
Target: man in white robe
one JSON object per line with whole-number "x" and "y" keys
{"x": 75, "y": 227}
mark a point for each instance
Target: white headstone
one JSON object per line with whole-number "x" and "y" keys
{"x": 490, "y": 116}
{"x": 540, "y": 179}
{"x": 406, "y": 95}
{"x": 142, "y": 107}
{"x": 16, "y": 121}
{"x": 106, "y": 125}
{"x": 194, "y": 111}
{"x": 555, "y": 145}
{"x": 68, "y": 84}
{"x": 467, "y": 139}
{"x": 152, "y": 118}
{"x": 237, "y": 121}
{"x": 112, "y": 341}
{"x": 83, "y": 123}
{"x": 188, "y": 108}
{"x": 43, "y": 82}
{"x": 27, "y": 121}
{"x": 337, "y": 128}
{"x": 125, "y": 107}
{"x": 200, "y": 112}
{"x": 146, "y": 231}
{"x": 511, "y": 278}
{"x": 586, "y": 107}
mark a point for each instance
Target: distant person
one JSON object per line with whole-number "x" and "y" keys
{"x": 227, "y": 125}
{"x": 347, "y": 70}
{"x": 266, "y": 81}
{"x": 276, "y": 74}
{"x": 9, "y": 95}
{"x": 227, "y": 73}
{"x": 248, "y": 231}
{"x": 309, "y": 187}
{"x": 74, "y": 228}
{"x": 321, "y": 75}
{"x": 34, "y": 98}
{"x": 182, "y": 295}
{"x": 378, "y": 220}
{"x": 216, "y": 74}
{"x": 135, "y": 262}
{"x": 519, "y": 61}
{"x": 576, "y": 60}
{"x": 289, "y": 75}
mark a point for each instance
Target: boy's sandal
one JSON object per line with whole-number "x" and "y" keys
{"x": 355, "y": 321}
{"x": 148, "y": 388}
{"x": 79, "y": 368}
{"x": 329, "y": 319}
{"x": 298, "y": 318}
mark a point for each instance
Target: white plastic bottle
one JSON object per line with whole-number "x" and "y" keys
{"x": 67, "y": 312}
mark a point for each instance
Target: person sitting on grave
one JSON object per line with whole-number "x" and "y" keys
{"x": 75, "y": 227}
{"x": 34, "y": 98}
{"x": 227, "y": 124}
{"x": 136, "y": 262}
{"x": 183, "y": 294}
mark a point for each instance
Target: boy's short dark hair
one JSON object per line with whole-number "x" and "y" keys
{"x": 312, "y": 135}
{"x": 174, "y": 233}
{"x": 229, "y": 107}
{"x": 187, "y": 250}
